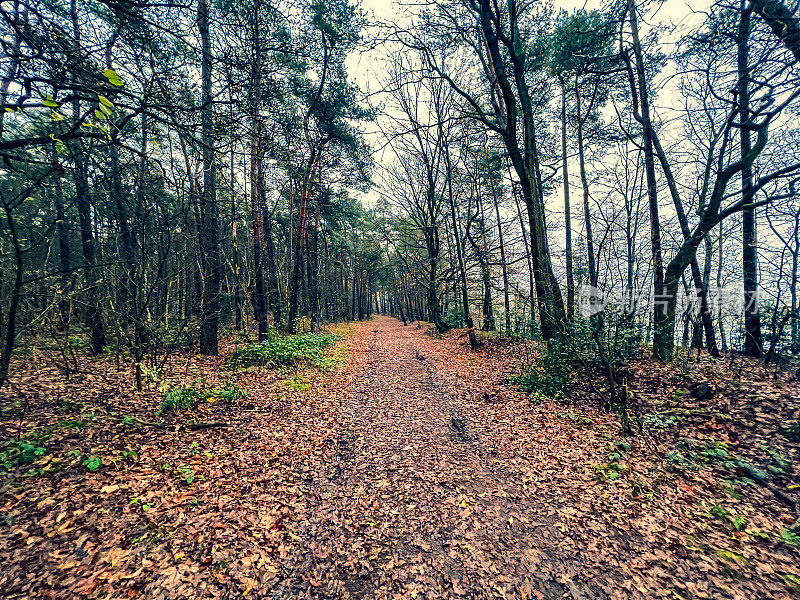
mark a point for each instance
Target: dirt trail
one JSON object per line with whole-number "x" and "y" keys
{"x": 417, "y": 499}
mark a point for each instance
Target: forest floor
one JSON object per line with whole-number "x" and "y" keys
{"x": 410, "y": 470}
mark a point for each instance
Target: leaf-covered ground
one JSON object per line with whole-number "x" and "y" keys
{"x": 412, "y": 470}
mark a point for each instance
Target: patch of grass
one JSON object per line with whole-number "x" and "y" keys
{"x": 182, "y": 397}
{"x": 789, "y": 537}
{"x": 279, "y": 349}
{"x": 187, "y": 475}
{"x": 661, "y": 420}
{"x": 333, "y": 358}
{"x": 718, "y": 511}
{"x": 299, "y": 383}
{"x": 792, "y": 580}
{"x": 578, "y": 420}
{"x": 230, "y": 392}
{"x": 76, "y": 424}
{"x": 615, "y": 467}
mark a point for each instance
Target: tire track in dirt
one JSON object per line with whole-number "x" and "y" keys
{"x": 414, "y": 505}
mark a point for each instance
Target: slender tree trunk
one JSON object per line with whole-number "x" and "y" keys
{"x": 81, "y": 175}
{"x": 313, "y": 265}
{"x": 258, "y": 221}
{"x": 531, "y": 282}
{"x": 567, "y": 210}
{"x": 720, "y": 255}
{"x": 587, "y": 215}
{"x": 473, "y": 341}
{"x": 793, "y": 284}
{"x": 506, "y": 301}
{"x": 300, "y": 242}
{"x": 127, "y": 242}
{"x": 274, "y": 293}
{"x": 752, "y": 319}
{"x": 62, "y": 235}
{"x": 209, "y": 238}
{"x": 16, "y": 291}
{"x": 237, "y": 277}
{"x": 662, "y": 334}
{"x": 483, "y": 259}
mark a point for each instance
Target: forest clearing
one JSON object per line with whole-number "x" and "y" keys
{"x": 399, "y": 299}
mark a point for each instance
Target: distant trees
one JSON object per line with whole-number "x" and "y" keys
{"x": 125, "y": 180}
{"x": 160, "y": 188}
{"x": 502, "y": 62}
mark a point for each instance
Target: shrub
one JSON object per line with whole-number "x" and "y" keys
{"x": 278, "y": 350}
{"x": 181, "y": 397}
{"x": 547, "y": 377}
{"x": 186, "y": 396}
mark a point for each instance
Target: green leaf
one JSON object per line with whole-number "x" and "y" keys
{"x": 61, "y": 148}
{"x": 49, "y": 102}
{"x": 113, "y": 78}
{"x": 99, "y": 115}
{"x": 105, "y": 101}
{"x": 738, "y": 522}
{"x": 92, "y": 463}
{"x": 789, "y": 537}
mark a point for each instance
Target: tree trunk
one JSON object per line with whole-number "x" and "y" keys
{"x": 506, "y": 302}
{"x": 531, "y": 282}
{"x": 662, "y": 333}
{"x": 237, "y": 278}
{"x": 81, "y": 175}
{"x": 473, "y": 341}
{"x": 552, "y": 314}
{"x": 793, "y": 284}
{"x": 752, "y": 318}
{"x": 209, "y": 226}
{"x": 587, "y": 215}
{"x": 567, "y": 210}
{"x": 782, "y": 21}
{"x": 313, "y": 274}
{"x": 301, "y": 234}
{"x": 62, "y": 235}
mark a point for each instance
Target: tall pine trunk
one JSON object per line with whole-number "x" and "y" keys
{"x": 209, "y": 225}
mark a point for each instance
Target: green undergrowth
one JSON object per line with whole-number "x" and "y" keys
{"x": 186, "y": 396}
{"x": 19, "y": 452}
{"x": 691, "y": 454}
{"x": 282, "y": 349}
{"x": 547, "y": 377}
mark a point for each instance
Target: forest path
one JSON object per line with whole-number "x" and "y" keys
{"x": 418, "y": 500}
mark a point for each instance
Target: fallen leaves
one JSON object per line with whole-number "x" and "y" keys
{"x": 392, "y": 477}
